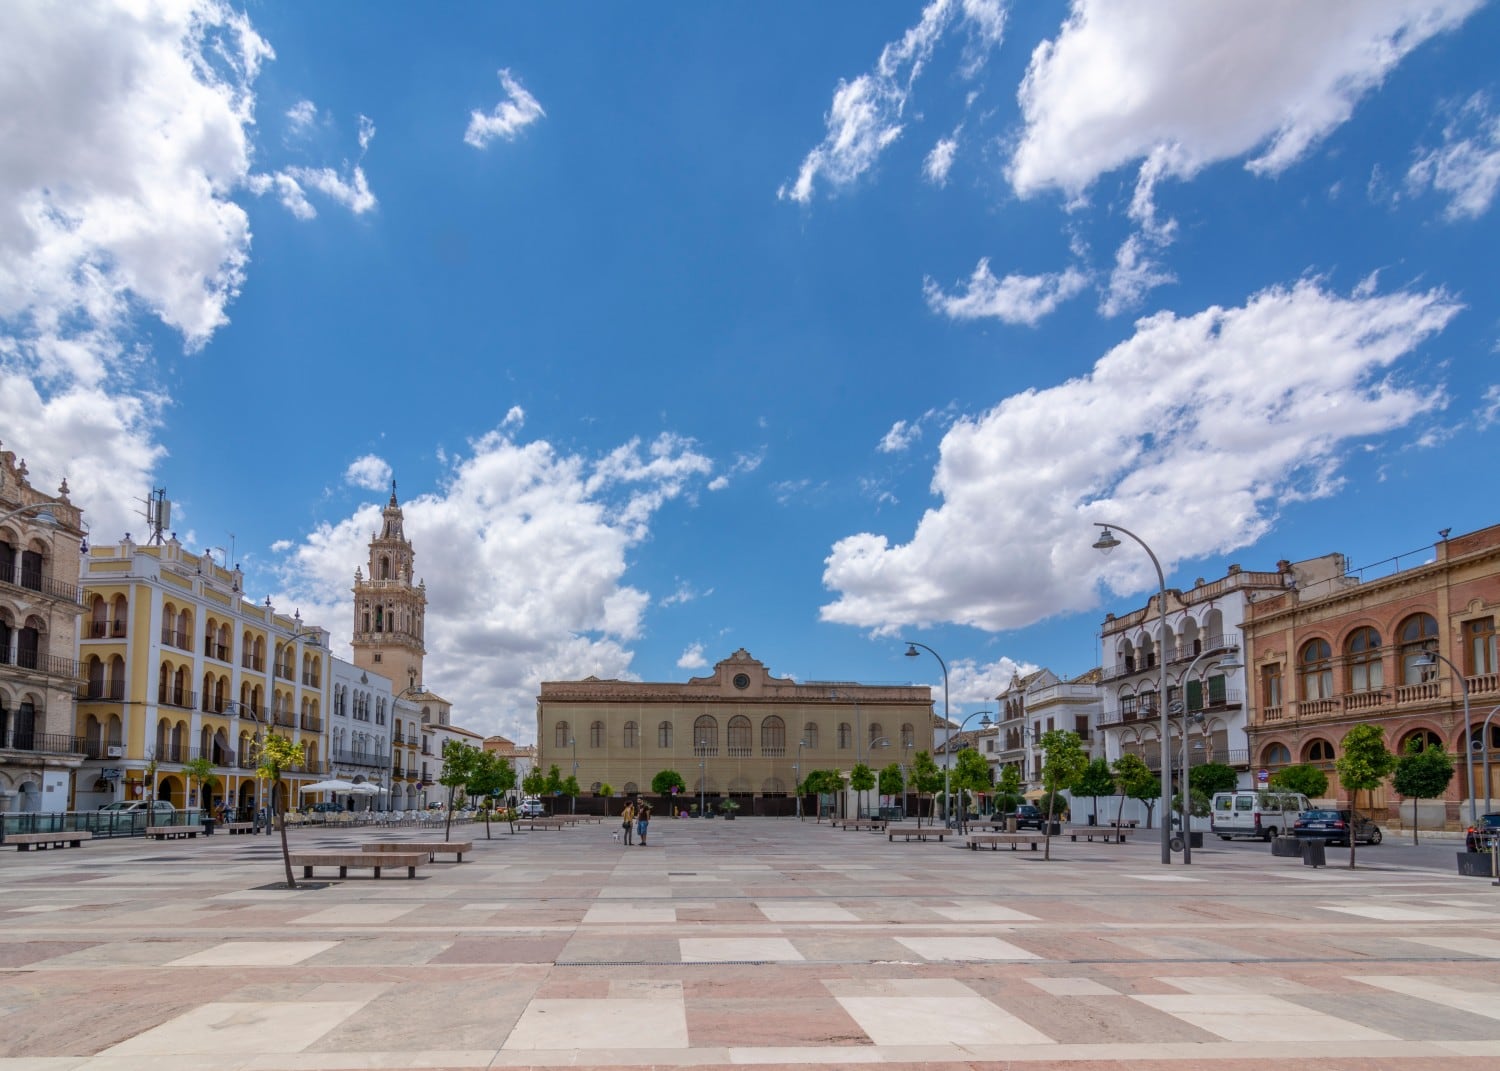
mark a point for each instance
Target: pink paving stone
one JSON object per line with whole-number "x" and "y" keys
{"x": 756, "y": 1022}
{"x": 502, "y": 950}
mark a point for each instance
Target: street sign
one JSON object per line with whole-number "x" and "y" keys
{"x": 1263, "y": 776}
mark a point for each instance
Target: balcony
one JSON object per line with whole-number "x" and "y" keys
{"x": 180, "y": 640}
{"x": 311, "y": 680}
{"x": 773, "y": 752}
{"x": 101, "y": 749}
{"x": 312, "y": 724}
{"x": 284, "y": 719}
{"x": 286, "y": 673}
{"x": 103, "y": 691}
{"x": 44, "y": 664}
{"x": 706, "y": 752}
{"x": 39, "y": 583}
{"x": 106, "y": 630}
{"x": 360, "y": 758}
{"x": 252, "y": 663}
{"x": 172, "y": 697}
{"x": 41, "y": 743}
{"x": 213, "y": 650}
{"x": 166, "y": 752}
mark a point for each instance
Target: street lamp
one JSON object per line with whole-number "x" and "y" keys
{"x": 1431, "y": 658}
{"x": 985, "y": 723}
{"x": 702, "y": 777}
{"x": 573, "y": 798}
{"x": 1485, "y": 744}
{"x": 911, "y": 652}
{"x": 1230, "y": 663}
{"x": 43, "y": 511}
{"x": 797, "y": 777}
{"x": 1106, "y": 543}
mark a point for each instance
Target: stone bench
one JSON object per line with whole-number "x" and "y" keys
{"x": 994, "y": 840}
{"x": 172, "y": 832}
{"x": 920, "y": 832}
{"x": 862, "y": 823}
{"x": 544, "y": 823}
{"x": 65, "y": 838}
{"x": 1107, "y": 833}
{"x": 346, "y": 861}
{"x": 239, "y": 827}
{"x": 433, "y": 848}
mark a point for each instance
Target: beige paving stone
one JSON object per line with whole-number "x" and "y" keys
{"x": 1073, "y": 987}
{"x": 353, "y": 915}
{"x": 218, "y": 1028}
{"x": 939, "y": 1021}
{"x": 1255, "y": 1017}
{"x": 253, "y": 954}
{"x": 982, "y": 913}
{"x": 806, "y": 911}
{"x": 965, "y": 949}
{"x": 720, "y": 949}
{"x": 610, "y": 1024}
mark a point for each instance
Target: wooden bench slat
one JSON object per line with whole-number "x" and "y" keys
{"x": 346, "y": 861}
{"x": 432, "y": 847}
{"x": 994, "y": 840}
{"x": 65, "y": 838}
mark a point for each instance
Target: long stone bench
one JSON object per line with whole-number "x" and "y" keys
{"x": 433, "y": 848}
{"x": 240, "y": 827}
{"x": 1106, "y": 833}
{"x": 862, "y": 823}
{"x": 172, "y": 832}
{"x": 994, "y": 840}
{"x": 920, "y": 832}
{"x": 347, "y": 861}
{"x": 544, "y": 823}
{"x": 64, "y": 838}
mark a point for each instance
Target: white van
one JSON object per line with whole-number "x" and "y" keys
{"x": 531, "y": 807}
{"x": 1255, "y": 812}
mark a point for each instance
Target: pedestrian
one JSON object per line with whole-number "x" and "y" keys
{"x": 642, "y": 820}
{"x": 628, "y": 814}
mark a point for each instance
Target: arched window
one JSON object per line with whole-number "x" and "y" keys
{"x": 845, "y": 734}
{"x": 909, "y": 736}
{"x": 772, "y": 736}
{"x": 1363, "y": 649}
{"x": 1319, "y": 750}
{"x": 706, "y": 735}
{"x": 664, "y": 735}
{"x": 631, "y": 732}
{"x": 876, "y": 732}
{"x": 1276, "y": 755}
{"x": 1317, "y": 670}
{"x": 739, "y": 736}
{"x": 1425, "y": 738}
{"x": 1418, "y": 634}
{"x": 596, "y": 734}
{"x": 810, "y": 734}
{"x": 561, "y": 735}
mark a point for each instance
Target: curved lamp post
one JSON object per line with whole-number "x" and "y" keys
{"x": 1486, "y": 746}
{"x": 1431, "y": 658}
{"x": 1106, "y": 543}
{"x": 573, "y": 799}
{"x": 1230, "y": 662}
{"x": 702, "y": 777}
{"x": 797, "y": 777}
{"x": 985, "y": 723}
{"x": 911, "y": 652}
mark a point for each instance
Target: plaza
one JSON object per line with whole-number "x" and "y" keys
{"x": 770, "y": 942}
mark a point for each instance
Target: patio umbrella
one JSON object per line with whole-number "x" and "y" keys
{"x": 365, "y": 788}
{"x": 327, "y": 786}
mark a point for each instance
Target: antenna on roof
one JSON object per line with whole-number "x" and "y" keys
{"x": 158, "y": 514}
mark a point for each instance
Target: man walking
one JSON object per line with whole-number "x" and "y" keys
{"x": 629, "y": 816}
{"x": 642, "y": 820}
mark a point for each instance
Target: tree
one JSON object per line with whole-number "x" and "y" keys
{"x": 861, "y": 779}
{"x": 1008, "y": 794}
{"x": 1213, "y": 777}
{"x": 1063, "y": 763}
{"x": 970, "y": 774}
{"x": 492, "y": 776}
{"x": 926, "y": 778}
{"x": 666, "y": 782}
{"x": 200, "y": 771}
{"x": 1096, "y": 781}
{"x": 1364, "y": 762}
{"x": 821, "y": 783}
{"x": 572, "y": 791}
{"x": 1136, "y": 781}
{"x": 460, "y": 764}
{"x": 277, "y": 755}
{"x": 534, "y": 783}
{"x": 1422, "y": 773}
{"x": 891, "y": 781}
{"x": 606, "y": 790}
{"x": 554, "y": 784}
{"x": 1304, "y": 778}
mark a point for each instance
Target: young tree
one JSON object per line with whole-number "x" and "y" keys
{"x": 1363, "y": 764}
{"x": 606, "y": 790}
{"x": 277, "y": 755}
{"x": 970, "y": 774}
{"x": 200, "y": 771}
{"x": 891, "y": 783}
{"x": 1213, "y": 777}
{"x": 822, "y": 783}
{"x": 554, "y": 785}
{"x": 534, "y": 783}
{"x": 460, "y": 764}
{"x": 492, "y": 777}
{"x": 861, "y": 779}
{"x": 1008, "y": 794}
{"x": 1304, "y": 778}
{"x": 1063, "y": 762}
{"x": 572, "y": 791}
{"x": 1136, "y": 781}
{"x": 1096, "y": 781}
{"x": 926, "y": 778}
{"x": 1422, "y": 773}
{"x": 668, "y": 782}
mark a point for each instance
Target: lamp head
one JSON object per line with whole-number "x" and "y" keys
{"x": 1106, "y": 541}
{"x": 985, "y": 721}
{"x": 1426, "y": 658}
{"x": 1232, "y": 661}
{"x": 911, "y": 651}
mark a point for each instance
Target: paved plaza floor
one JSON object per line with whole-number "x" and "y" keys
{"x": 766, "y": 942}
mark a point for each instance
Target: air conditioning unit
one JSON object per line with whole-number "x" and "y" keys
{"x": 115, "y": 751}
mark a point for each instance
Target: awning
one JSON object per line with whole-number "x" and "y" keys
{"x": 1036, "y": 794}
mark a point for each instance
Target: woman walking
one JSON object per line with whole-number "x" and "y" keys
{"x": 642, "y": 820}
{"x": 628, "y": 814}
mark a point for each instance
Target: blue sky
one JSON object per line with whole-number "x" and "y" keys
{"x": 793, "y": 327}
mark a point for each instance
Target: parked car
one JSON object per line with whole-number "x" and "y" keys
{"x": 531, "y": 807}
{"x": 1254, "y": 812}
{"x": 156, "y": 807}
{"x": 1481, "y": 836}
{"x": 1333, "y": 827}
{"x": 1028, "y": 816}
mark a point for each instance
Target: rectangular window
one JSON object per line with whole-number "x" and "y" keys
{"x": 1270, "y": 686}
{"x": 1480, "y": 648}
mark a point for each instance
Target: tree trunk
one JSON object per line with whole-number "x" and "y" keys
{"x": 1120, "y": 811}
{"x": 286, "y": 851}
{"x": 1414, "y": 819}
{"x": 448, "y": 817}
{"x": 1047, "y": 835}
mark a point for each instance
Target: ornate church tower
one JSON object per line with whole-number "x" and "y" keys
{"x": 389, "y": 613}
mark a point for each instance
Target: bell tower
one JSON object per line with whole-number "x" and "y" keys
{"x": 389, "y": 611}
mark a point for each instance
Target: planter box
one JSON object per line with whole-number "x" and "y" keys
{"x": 1289, "y": 847}
{"x": 1475, "y": 864}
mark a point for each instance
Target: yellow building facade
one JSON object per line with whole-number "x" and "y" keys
{"x": 739, "y": 733}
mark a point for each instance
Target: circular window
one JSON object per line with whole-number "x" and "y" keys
{"x": 741, "y": 681}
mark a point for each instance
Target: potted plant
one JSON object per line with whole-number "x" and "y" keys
{"x": 727, "y": 809}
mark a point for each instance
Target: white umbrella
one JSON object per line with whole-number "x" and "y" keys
{"x": 327, "y": 786}
{"x": 365, "y": 788}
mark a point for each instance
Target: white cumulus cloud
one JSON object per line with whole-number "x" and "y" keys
{"x": 1191, "y": 432}
{"x": 1467, "y": 165}
{"x": 1015, "y": 299}
{"x": 370, "y": 472}
{"x": 900, "y": 437}
{"x": 940, "y": 161}
{"x": 693, "y": 657}
{"x": 518, "y": 110}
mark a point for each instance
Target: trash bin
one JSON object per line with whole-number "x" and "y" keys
{"x": 1314, "y": 853}
{"x": 208, "y": 827}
